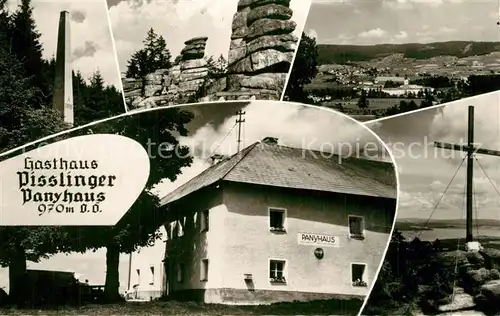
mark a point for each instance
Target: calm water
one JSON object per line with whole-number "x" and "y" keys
{"x": 443, "y": 233}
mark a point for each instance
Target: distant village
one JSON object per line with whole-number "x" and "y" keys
{"x": 386, "y": 81}
{"x": 385, "y": 84}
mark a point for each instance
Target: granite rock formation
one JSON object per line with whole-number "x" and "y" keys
{"x": 262, "y": 47}
{"x": 260, "y": 55}
{"x": 193, "y": 66}
{"x": 170, "y": 86}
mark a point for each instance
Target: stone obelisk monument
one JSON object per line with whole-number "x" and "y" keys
{"x": 63, "y": 84}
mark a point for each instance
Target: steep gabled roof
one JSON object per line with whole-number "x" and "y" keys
{"x": 296, "y": 168}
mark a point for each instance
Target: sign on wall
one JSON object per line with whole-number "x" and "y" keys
{"x": 310, "y": 239}
{"x": 84, "y": 181}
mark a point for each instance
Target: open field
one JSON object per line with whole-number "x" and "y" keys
{"x": 331, "y": 307}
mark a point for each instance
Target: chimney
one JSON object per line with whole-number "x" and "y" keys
{"x": 270, "y": 140}
{"x": 217, "y": 158}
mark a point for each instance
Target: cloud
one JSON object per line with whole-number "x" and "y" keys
{"x": 455, "y": 19}
{"x": 408, "y": 4}
{"x": 78, "y": 16}
{"x": 424, "y": 200}
{"x": 313, "y": 33}
{"x": 451, "y": 125}
{"x": 293, "y": 124}
{"x": 427, "y": 172}
{"x": 447, "y": 30}
{"x": 341, "y": 39}
{"x": 373, "y": 33}
{"x": 330, "y": 1}
{"x": 398, "y": 4}
{"x": 88, "y": 50}
{"x": 401, "y": 35}
{"x": 89, "y": 24}
{"x": 187, "y": 173}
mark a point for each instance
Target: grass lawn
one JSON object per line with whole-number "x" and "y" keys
{"x": 330, "y": 307}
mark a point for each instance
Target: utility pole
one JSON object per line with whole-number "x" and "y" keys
{"x": 470, "y": 167}
{"x": 239, "y": 121}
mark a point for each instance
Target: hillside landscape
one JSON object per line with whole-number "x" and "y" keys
{"x": 340, "y": 54}
{"x": 374, "y": 81}
{"x": 411, "y": 224}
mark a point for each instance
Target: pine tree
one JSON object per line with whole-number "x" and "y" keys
{"x": 137, "y": 67}
{"x": 304, "y": 69}
{"x": 363, "y": 100}
{"x": 163, "y": 55}
{"x": 21, "y": 123}
{"x": 153, "y": 56}
{"x": 25, "y": 44}
{"x": 216, "y": 68}
{"x": 428, "y": 100}
{"x": 97, "y": 81}
{"x": 4, "y": 21}
{"x": 26, "y": 81}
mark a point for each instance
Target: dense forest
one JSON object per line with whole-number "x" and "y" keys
{"x": 26, "y": 114}
{"x": 339, "y": 54}
{"x": 27, "y": 81}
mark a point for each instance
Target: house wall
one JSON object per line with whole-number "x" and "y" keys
{"x": 250, "y": 244}
{"x": 148, "y": 285}
{"x": 193, "y": 246}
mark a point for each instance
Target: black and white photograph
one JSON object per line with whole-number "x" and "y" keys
{"x": 444, "y": 253}
{"x": 58, "y": 68}
{"x": 177, "y": 52}
{"x": 374, "y": 59}
{"x": 242, "y": 214}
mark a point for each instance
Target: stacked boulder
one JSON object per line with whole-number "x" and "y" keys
{"x": 262, "y": 47}
{"x": 170, "y": 86}
{"x": 193, "y": 66}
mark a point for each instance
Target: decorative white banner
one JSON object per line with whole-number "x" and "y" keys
{"x": 310, "y": 239}
{"x": 89, "y": 180}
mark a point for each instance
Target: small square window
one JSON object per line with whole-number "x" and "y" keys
{"x": 180, "y": 273}
{"x": 358, "y": 275}
{"x": 277, "y": 219}
{"x": 204, "y": 270}
{"x": 204, "y": 221}
{"x": 277, "y": 271}
{"x": 356, "y": 227}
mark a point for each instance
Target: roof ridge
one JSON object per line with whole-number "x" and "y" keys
{"x": 209, "y": 169}
{"x": 248, "y": 150}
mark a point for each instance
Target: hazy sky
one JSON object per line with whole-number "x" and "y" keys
{"x": 363, "y": 22}
{"x": 424, "y": 176}
{"x": 179, "y": 21}
{"x": 91, "y": 42}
